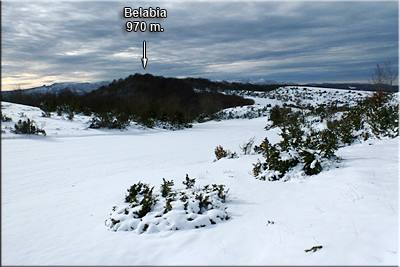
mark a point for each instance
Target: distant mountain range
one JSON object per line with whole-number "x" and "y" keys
{"x": 75, "y": 87}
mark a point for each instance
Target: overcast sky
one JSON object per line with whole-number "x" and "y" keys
{"x": 47, "y": 42}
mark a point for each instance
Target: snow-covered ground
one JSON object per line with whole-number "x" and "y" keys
{"x": 58, "y": 190}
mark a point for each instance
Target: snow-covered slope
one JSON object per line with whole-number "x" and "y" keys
{"x": 261, "y": 81}
{"x": 58, "y": 190}
{"x": 293, "y": 96}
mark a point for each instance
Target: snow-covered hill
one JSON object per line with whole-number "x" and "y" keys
{"x": 58, "y": 191}
{"x": 261, "y": 81}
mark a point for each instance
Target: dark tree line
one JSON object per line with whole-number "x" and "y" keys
{"x": 144, "y": 97}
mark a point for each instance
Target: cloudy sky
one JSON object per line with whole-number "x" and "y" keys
{"x": 47, "y": 42}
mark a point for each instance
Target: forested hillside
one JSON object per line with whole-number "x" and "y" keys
{"x": 144, "y": 98}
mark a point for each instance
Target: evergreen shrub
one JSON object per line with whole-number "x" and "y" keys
{"x": 147, "y": 211}
{"x": 27, "y": 127}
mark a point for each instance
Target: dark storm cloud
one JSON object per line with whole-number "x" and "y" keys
{"x": 286, "y": 41}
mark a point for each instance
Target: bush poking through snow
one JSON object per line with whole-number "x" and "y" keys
{"x": 27, "y": 127}
{"x": 46, "y": 114}
{"x": 384, "y": 120}
{"x": 59, "y": 111}
{"x": 245, "y": 112}
{"x": 189, "y": 183}
{"x": 71, "y": 115}
{"x": 142, "y": 199}
{"x": 304, "y": 150}
{"x": 166, "y": 187}
{"x": 220, "y": 153}
{"x": 220, "y": 189}
{"x": 279, "y": 115}
{"x": 4, "y": 118}
{"x": 167, "y": 209}
{"x": 311, "y": 164}
{"x": 263, "y": 148}
{"x": 110, "y": 120}
{"x": 304, "y": 153}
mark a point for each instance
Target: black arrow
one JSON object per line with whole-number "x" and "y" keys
{"x": 144, "y": 58}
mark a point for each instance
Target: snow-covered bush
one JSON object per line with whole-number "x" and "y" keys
{"x": 166, "y": 125}
{"x": 166, "y": 187}
{"x": 374, "y": 117}
{"x": 245, "y": 112}
{"x": 279, "y": 114}
{"x": 189, "y": 183}
{"x": 4, "y": 118}
{"x": 111, "y": 120}
{"x": 71, "y": 115}
{"x": 311, "y": 165}
{"x": 310, "y": 139}
{"x": 147, "y": 211}
{"x": 304, "y": 153}
{"x": 220, "y": 152}
{"x": 384, "y": 119}
{"x": 28, "y": 127}
{"x": 60, "y": 109}
{"x": 46, "y": 114}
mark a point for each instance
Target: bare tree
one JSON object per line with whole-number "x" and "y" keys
{"x": 390, "y": 74}
{"x": 378, "y": 79}
{"x": 247, "y": 146}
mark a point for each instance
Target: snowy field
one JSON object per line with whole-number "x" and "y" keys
{"x": 58, "y": 190}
